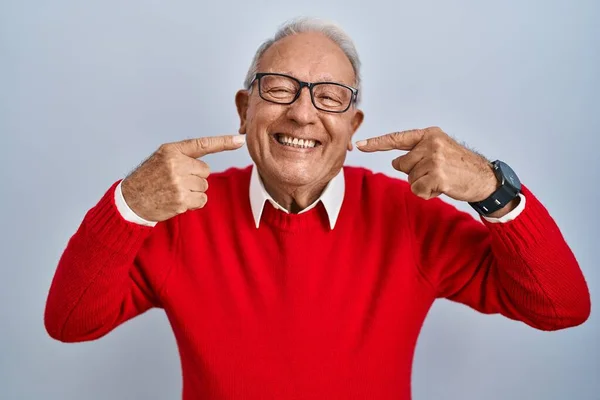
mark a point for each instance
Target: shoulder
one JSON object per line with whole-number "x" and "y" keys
{"x": 379, "y": 196}
{"x": 390, "y": 194}
{"x": 231, "y": 174}
{"x": 231, "y": 180}
{"x": 228, "y": 197}
{"x": 376, "y": 184}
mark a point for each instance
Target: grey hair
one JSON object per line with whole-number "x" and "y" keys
{"x": 304, "y": 25}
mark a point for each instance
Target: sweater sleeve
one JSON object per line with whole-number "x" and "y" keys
{"x": 110, "y": 271}
{"x": 522, "y": 269}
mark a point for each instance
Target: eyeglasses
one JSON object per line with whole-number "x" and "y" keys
{"x": 326, "y": 96}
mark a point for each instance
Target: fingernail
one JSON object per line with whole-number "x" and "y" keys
{"x": 361, "y": 142}
{"x": 239, "y": 139}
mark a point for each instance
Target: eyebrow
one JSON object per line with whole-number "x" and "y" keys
{"x": 322, "y": 78}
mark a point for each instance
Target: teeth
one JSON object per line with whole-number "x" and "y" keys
{"x": 295, "y": 142}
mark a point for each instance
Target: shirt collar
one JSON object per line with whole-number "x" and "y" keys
{"x": 332, "y": 197}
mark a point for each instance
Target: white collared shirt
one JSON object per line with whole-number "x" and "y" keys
{"x": 332, "y": 198}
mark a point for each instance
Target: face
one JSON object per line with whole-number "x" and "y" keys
{"x": 310, "y": 57}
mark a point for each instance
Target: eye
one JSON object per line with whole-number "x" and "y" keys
{"x": 280, "y": 90}
{"x": 328, "y": 99}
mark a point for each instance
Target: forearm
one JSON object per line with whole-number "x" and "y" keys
{"x": 534, "y": 275}
{"x": 92, "y": 280}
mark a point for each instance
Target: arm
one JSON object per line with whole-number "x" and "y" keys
{"x": 116, "y": 265}
{"x": 110, "y": 271}
{"x": 522, "y": 269}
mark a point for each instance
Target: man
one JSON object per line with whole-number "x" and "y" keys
{"x": 301, "y": 278}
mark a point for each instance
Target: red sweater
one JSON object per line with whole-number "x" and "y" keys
{"x": 295, "y": 310}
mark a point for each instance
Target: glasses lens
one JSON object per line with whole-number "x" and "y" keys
{"x": 279, "y": 89}
{"x": 332, "y": 97}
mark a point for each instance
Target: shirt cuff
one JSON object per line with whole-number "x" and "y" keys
{"x": 511, "y": 215}
{"x": 126, "y": 212}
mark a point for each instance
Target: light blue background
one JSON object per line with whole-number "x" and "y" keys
{"x": 89, "y": 89}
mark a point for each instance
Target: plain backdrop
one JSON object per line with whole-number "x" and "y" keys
{"x": 90, "y": 89}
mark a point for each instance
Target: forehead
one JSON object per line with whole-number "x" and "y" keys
{"x": 308, "y": 56}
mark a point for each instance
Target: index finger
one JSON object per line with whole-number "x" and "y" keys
{"x": 199, "y": 147}
{"x": 404, "y": 140}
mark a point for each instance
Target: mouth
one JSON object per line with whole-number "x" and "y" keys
{"x": 295, "y": 142}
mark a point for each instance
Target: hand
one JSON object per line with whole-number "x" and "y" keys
{"x": 436, "y": 164}
{"x": 172, "y": 180}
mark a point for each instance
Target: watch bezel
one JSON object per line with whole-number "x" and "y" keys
{"x": 506, "y": 192}
{"x": 502, "y": 171}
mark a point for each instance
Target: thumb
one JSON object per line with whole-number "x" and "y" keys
{"x": 199, "y": 147}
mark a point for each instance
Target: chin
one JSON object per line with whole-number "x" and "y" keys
{"x": 295, "y": 178}
{"x": 295, "y": 175}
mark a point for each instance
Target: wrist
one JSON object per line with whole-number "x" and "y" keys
{"x": 506, "y": 209}
{"x": 500, "y": 193}
{"x": 492, "y": 182}
{"x": 129, "y": 198}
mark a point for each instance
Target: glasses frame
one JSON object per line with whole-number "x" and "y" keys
{"x": 310, "y": 85}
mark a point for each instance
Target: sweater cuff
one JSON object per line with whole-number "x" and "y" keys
{"x": 510, "y": 215}
{"x": 105, "y": 224}
{"x": 522, "y": 234}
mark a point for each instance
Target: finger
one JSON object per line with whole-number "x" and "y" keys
{"x": 406, "y": 162}
{"x": 404, "y": 140}
{"x": 199, "y": 168}
{"x": 196, "y": 184}
{"x": 212, "y": 144}
{"x": 425, "y": 187}
{"x": 420, "y": 169}
{"x": 196, "y": 200}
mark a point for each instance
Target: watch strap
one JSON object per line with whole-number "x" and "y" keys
{"x": 500, "y": 198}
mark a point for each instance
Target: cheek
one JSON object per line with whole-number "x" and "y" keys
{"x": 261, "y": 116}
{"x": 340, "y": 131}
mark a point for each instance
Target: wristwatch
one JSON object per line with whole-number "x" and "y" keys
{"x": 510, "y": 187}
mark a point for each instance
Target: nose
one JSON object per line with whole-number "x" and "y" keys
{"x": 302, "y": 110}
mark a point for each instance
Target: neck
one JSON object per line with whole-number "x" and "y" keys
{"x": 294, "y": 198}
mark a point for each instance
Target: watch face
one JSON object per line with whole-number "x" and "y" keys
{"x": 509, "y": 175}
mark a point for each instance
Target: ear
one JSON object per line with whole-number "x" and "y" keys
{"x": 357, "y": 120}
{"x": 242, "y": 98}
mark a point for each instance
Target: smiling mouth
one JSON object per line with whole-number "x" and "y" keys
{"x": 291, "y": 141}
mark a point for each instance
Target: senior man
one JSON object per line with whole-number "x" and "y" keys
{"x": 301, "y": 277}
